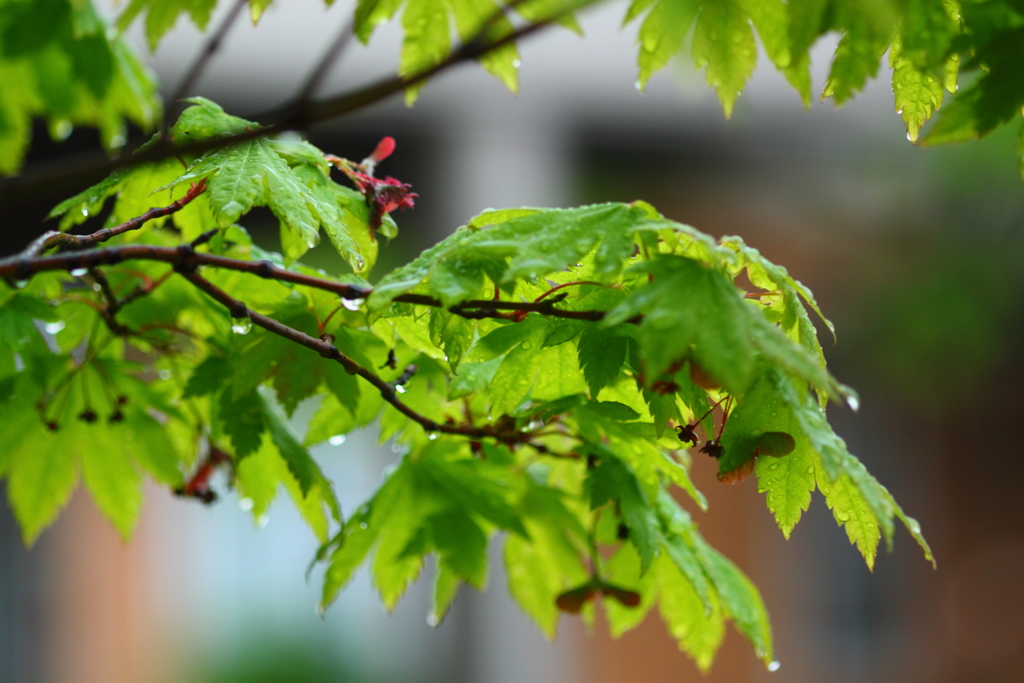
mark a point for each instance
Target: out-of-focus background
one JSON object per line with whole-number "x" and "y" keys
{"x": 916, "y": 254}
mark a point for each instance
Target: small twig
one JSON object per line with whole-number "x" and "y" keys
{"x": 323, "y": 325}
{"x": 326, "y": 349}
{"x": 101, "y": 279}
{"x": 204, "y": 57}
{"x": 69, "y": 241}
{"x": 143, "y": 290}
{"x": 205, "y": 237}
{"x": 407, "y": 374}
{"x": 109, "y": 311}
{"x": 323, "y": 67}
{"x": 567, "y": 284}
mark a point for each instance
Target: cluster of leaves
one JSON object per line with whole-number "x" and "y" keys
{"x": 543, "y": 373}
{"x": 929, "y": 43}
{"x": 58, "y": 62}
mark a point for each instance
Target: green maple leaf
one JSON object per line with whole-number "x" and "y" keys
{"x": 611, "y": 480}
{"x": 162, "y": 15}
{"x": 253, "y": 173}
{"x": 58, "y": 62}
{"x": 724, "y": 42}
{"x": 788, "y": 481}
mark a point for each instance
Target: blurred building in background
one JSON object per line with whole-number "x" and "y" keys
{"x": 915, "y": 254}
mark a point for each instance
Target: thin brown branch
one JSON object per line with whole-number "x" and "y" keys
{"x": 323, "y": 67}
{"x": 195, "y": 72}
{"x": 568, "y": 284}
{"x": 53, "y": 238}
{"x": 237, "y": 309}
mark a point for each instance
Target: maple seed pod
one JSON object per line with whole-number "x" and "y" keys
{"x": 572, "y": 600}
{"x": 626, "y": 597}
{"x": 701, "y": 377}
{"x": 88, "y": 415}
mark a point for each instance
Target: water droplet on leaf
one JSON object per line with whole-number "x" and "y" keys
{"x": 352, "y": 304}
{"x": 245, "y": 504}
{"x": 774, "y": 665}
{"x": 232, "y": 209}
{"x": 79, "y": 272}
{"x": 400, "y": 389}
{"x": 432, "y": 620}
{"x": 241, "y": 325}
{"x": 61, "y": 130}
{"x": 54, "y": 327}
{"x": 336, "y": 440}
{"x": 432, "y": 437}
{"x": 262, "y": 520}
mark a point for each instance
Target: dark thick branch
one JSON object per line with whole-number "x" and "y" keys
{"x": 185, "y": 258}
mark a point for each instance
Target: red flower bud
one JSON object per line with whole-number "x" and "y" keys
{"x": 384, "y": 149}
